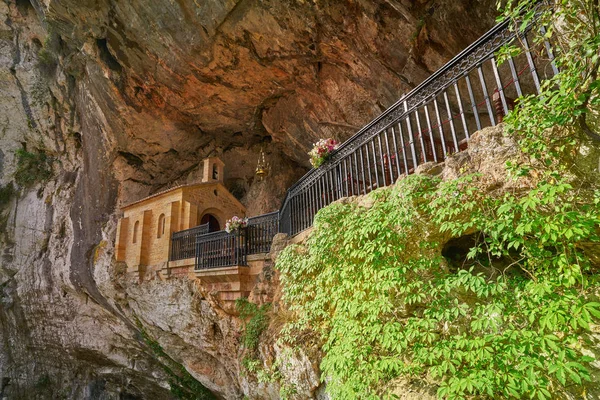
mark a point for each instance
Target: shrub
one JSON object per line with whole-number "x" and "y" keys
{"x": 385, "y": 305}
{"x": 257, "y": 322}
{"x": 32, "y": 167}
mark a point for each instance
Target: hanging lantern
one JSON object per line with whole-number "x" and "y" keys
{"x": 262, "y": 168}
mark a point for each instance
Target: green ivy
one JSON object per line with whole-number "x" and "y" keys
{"x": 571, "y": 98}
{"x": 372, "y": 284}
{"x": 257, "y": 321}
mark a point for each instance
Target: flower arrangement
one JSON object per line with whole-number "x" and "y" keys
{"x": 321, "y": 151}
{"x": 235, "y": 223}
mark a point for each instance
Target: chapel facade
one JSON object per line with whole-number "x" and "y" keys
{"x": 146, "y": 226}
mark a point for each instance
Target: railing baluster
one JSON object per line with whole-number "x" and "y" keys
{"x": 403, "y": 148}
{"x": 486, "y": 95}
{"x": 515, "y": 76}
{"x": 321, "y": 193}
{"x": 452, "y": 129}
{"x": 440, "y": 127}
{"x": 301, "y": 209}
{"x": 346, "y": 174}
{"x": 428, "y": 120}
{"x": 356, "y": 175}
{"x": 362, "y": 170}
{"x": 331, "y": 190}
{"x": 375, "y": 164}
{"x": 549, "y": 51}
{"x": 326, "y": 194}
{"x": 388, "y": 160}
{"x": 532, "y": 69}
{"x": 340, "y": 182}
{"x": 308, "y": 196}
{"x": 500, "y": 86}
{"x": 420, "y": 130}
{"x": 332, "y": 183}
{"x": 460, "y": 110}
{"x": 384, "y": 183}
{"x": 315, "y": 207}
{"x": 473, "y": 103}
{"x": 370, "y": 187}
{"x": 411, "y": 138}
{"x": 396, "y": 154}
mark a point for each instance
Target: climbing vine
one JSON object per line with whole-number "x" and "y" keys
{"x": 256, "y": 321}
{"x": 571, "y": 98}
{"x": 372, "y": 284}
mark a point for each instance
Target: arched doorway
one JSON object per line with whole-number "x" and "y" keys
{"x": 213, "y": 222}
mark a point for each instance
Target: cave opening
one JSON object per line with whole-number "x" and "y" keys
{"x": 106, "y": 56}
{"x": 456, "y": 252}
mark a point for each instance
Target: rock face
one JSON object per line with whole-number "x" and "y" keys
{"x": 127, "y": 97}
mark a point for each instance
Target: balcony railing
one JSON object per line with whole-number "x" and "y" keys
{"x": 432, "y": 121}
{"x": 183, "y": 243}
{"x": 221, "y": 249}
{"x": 260, "y": 232}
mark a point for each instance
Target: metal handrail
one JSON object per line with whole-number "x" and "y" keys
{"x": 426, "y": 124}
{"x": 183, "y": 243}
{"x": 260, "y": 232}
{"x": 367, "y": 160}
{"x": 221, "y": 249}
{"x": 200, "y": 230}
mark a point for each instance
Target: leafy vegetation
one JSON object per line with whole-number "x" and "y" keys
{"x": 32, "y": 167}
{"x": 513, "y": 320}
{"x": 257, "y": 322}
{"x": 385, "y": 305}
{"x": 183, "y": 385}
{"x": 571, "y": 98}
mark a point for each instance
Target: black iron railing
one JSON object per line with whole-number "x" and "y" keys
{"x": 221, "y": 249}
{"x": 183, "y": 243}
{"x": 260, "y": 232}
{"x": 432, "y": 121}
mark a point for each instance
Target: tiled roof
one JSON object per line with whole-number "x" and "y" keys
{"x": 168, "y": 190}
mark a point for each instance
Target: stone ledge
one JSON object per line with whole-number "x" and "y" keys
{"x": 220, "y": 274}
{"x": 257, "y": 257}
{"x": 186, "y": 262}
{"x": 301, "y": 237}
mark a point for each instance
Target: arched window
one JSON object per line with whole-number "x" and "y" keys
{"x": 161, "y": 226}
{"x": 135, "y": 231}
{"x": 215, "y": 172}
